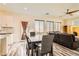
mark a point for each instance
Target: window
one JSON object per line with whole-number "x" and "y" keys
{"x": 50, "y": 26}
{"x": 57, "y": 26}
{"x": 75, "y": 22}
{"x": 39, "y": 26}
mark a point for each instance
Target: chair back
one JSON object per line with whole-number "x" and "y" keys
{"x": 47, "y": 43}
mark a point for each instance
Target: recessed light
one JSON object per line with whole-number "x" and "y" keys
{"x": 25, "y": 8}
{"x": 47, "y": 13}
{"x": 4, "y": 3}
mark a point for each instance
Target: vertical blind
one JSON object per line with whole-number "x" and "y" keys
{"x": 49, "y": 26}
{"x": 39, "y": 25}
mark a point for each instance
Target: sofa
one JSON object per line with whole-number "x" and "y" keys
{"x": 67, "y": 40}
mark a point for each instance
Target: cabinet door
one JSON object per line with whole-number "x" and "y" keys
{"x": 10, "y": 21}
{"x": 0, "y": 47}
{"x": 6, "y": 21}
{"x": 3, "y": 46}
{"x": 65, "y": 29}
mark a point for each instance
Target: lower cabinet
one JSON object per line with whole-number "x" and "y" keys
{"x": 3, "y": 46}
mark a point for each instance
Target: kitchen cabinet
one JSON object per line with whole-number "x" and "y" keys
{"x": 6, "y": 21}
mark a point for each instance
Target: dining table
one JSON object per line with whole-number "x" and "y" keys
{"x": 34, "y": 42}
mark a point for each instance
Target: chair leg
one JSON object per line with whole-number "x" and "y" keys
{"x": 50, "y": 54}
{"x": 37, "y": 51}
{"x": 28, "y": 51}
{"x": 31, "y": 52}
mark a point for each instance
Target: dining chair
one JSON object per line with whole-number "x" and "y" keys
{"x": 29, "y": 46}
{"x": 46, "y": 45}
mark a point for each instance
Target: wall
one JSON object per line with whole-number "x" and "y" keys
{"x": 73, "y": 24}
{"x": 68, "y": 23}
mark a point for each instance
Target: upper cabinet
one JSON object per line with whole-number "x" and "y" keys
{"x": 6, "y": 21}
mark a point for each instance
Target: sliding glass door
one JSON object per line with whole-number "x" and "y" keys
{"x": 50, "y": 26}
{"x": 57, "y": 26}
{"x": 39, "y": 28}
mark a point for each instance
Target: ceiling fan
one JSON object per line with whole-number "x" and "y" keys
{"x": 71, "y": 12}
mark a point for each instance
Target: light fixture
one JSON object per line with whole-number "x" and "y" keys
{"x": 25, "y": 8}
{"x": 4, "y": 3}
{"x": 47, "y": 13}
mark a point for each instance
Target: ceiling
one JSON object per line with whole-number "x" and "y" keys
{"x": 54, "y": 9}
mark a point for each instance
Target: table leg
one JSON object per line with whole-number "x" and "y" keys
{"x": 32, "y": 52}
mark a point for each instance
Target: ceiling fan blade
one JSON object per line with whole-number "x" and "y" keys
{"x": 75, "y": 11}
{"x": 72, "y": 12}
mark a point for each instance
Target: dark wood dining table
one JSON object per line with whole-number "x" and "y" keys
{"x": 33, "y": 44}
{"x": 36, "y": 43}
